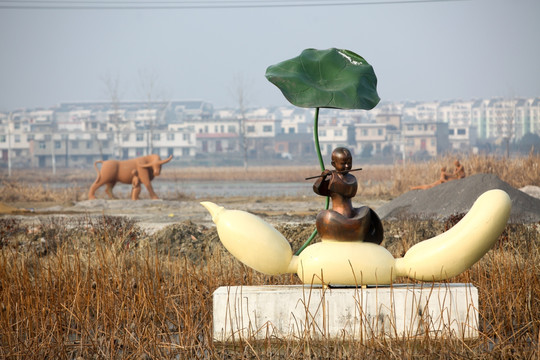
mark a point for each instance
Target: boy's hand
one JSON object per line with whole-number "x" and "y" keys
{"x": 325, "y": 173}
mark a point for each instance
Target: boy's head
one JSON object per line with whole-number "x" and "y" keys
{"x": 341, "y": 159}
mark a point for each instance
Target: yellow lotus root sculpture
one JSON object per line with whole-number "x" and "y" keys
{"x": 260, "y": 246}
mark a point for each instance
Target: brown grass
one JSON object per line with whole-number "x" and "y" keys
{"x": 517, "y": 172}
{"x": 99, "y": 289}
{"x": 375, "y": 181}
{"x": 13, "y": 191}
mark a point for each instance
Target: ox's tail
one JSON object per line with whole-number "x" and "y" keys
{"x": 97, "y": 169}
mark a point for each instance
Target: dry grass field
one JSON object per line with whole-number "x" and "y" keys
{"x": 104, "y": 289}
{"x": 375, "y": 181}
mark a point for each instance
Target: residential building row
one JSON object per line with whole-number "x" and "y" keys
{"x": 79, "y": 133}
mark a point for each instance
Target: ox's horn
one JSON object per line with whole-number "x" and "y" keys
{"x": 158, "y": 162}
{"x": 166, "y": 160}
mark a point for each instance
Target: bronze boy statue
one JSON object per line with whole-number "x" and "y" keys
{"x": 344, "y": 222}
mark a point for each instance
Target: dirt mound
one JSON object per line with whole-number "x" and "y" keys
{"x": 532, "y": 190}
{"x": 297, "y": 234}
{"x": 194, "y": 241}
{"x": 198, "y": 242}
{"x": 457, "y": 197}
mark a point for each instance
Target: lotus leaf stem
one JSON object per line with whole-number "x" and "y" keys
{"x": 321, "y": 163}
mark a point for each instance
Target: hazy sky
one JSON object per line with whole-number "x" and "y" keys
{"x": 420, "y": 51}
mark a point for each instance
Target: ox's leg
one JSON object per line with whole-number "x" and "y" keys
{"x": 108, "y": 190}
{"x": 151, "y": 191}
{"x": 93, "y": 189}
{"x": 135, "y": 188}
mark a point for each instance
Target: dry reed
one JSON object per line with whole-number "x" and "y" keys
{"x": 375, "y": 181}
{"x": 100, "y": 289}
{"x": 517, "y": 172}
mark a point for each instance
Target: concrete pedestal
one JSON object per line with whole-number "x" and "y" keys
{"x": 349, "y": 313}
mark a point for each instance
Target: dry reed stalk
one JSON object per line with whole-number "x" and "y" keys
{"x": 104, "y": 291}
{"x": 517, "y": 172}
{"x": 385, "y": 181}
{"x": 254, "y": 173}
{"x": 11, "y": 191}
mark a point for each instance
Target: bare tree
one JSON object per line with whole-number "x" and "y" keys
{"x": 505, "y": 119}
{"x": 509, "y": 133}
{"x": 239, "y": 92}
{"x": 9, "y": 124}
{"x": 148, "y": 84}
{"x": 112, "y": 88}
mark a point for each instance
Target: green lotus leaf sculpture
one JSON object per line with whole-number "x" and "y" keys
{"x": 332, "y": 78}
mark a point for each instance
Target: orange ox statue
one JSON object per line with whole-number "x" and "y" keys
{"x": 133, "y": 171}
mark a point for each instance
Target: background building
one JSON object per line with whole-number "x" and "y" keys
{"x": 78, "y": 134}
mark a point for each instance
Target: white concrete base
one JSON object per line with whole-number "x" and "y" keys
{"x": 296, "y": 312}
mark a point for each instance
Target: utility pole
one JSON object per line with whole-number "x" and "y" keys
{"x": 9, "y": 143}
{"x": 53, "y": 160}
{"x": 67, "y": 150}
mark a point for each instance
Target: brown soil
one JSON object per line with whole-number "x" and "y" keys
{"x": 170, "y": 227}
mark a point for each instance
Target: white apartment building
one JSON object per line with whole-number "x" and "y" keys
{"x": 81, "y": 148}
{"x": 501, "y": 119}
{"x": 333, "y": 135}
{"x": 215, "y": 135}
{"x": 478, "y": 120}
{"x": 458, "y": 115}
{"x": 81, "y": 133}
{"x": 15, "y": 142}
{"x": 420, "y": 111}
{"x": 35, "y": 116}
{"x": 180, "y": 142}
{"x": 260, "y": 135}
{"x": 212, "y": 126}
{"x": 262, "y": 128}
{"x": 296, "y": 120}
{"x": 534, "y": 116}
{"x": 68, "y": 148}
{"x": 425, "y": 138}
{"x": 373, "y": 134}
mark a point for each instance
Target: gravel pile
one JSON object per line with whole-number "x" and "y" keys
{"x": 457, "y": 197}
